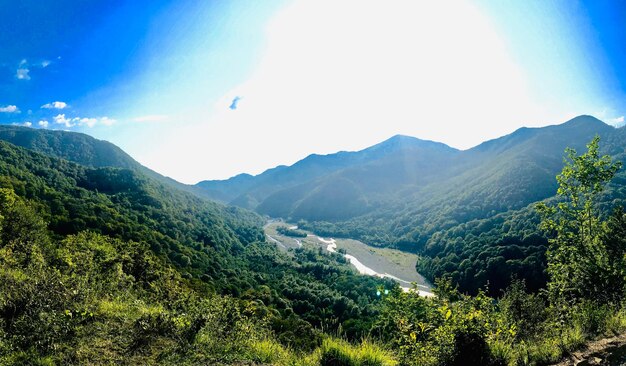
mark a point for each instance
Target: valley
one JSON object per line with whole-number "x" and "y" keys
{"x": 467, "y": 214}
{"x": 367, "y": 260}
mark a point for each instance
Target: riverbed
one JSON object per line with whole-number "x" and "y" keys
{"x": 367, "y": 260}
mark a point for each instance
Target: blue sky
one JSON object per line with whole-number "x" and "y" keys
{"x": 208, "y": 89}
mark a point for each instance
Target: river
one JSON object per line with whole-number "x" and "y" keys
{"x": 331, "y": 246}
{"x": 367, "y": 260}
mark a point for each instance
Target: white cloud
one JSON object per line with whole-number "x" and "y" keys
{"x": 43, "y": 124}
{"x": 151, "y": 118}
{"x": 24, "y": 67}
{"x": 608, "y": 116}
{"x": 25, "y": 124}
{"x": 22, "y": 72}
{"x": 10, "y": 109}
{"x": 89, "y": 122}
{"x": 82, "y": 122}
{"x": 61, "y": 120}
{"x": 55, "y": 105}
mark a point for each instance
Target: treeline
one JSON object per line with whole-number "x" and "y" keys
{"x": 488, "y": 253}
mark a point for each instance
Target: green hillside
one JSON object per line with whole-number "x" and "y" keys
{"x": 199, "y": 248}
{"x": 84, "y": 150}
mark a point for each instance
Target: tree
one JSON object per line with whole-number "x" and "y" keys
{"x": 577, "y": 256}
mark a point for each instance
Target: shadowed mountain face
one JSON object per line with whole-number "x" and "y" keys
{"x": 315, "y": 186}
{"x": 405, "y": 173}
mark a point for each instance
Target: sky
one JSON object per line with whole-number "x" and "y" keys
{"x": 198, "y": 89}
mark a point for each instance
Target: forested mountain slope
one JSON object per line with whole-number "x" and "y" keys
{"x": 497, "y": 176}
{"x": 212, "y": 248}
{"x": 84, "y": 150}
{"x": 79, "y": 148}
{"x": 469, "y": 212}
{"x": 479, "y": 226}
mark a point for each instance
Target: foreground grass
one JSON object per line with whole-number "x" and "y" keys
{"x": 332, "y": 352}
{"x": 545, "y": 349}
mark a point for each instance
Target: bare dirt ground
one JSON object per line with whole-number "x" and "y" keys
{"x": 605, "y": 352}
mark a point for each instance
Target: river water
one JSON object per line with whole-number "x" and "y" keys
{"x": 406, "y": 286}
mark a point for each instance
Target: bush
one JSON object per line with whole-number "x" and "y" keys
{"x": 591, "y": 317}
{"x": 527, "y": 312}
{"x": 337, "y": 353}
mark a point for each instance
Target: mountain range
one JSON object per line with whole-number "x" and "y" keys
{"x": 408, "y": 174}
{"x": 469, "y": 213}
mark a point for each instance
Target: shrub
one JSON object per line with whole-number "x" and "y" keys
{"x": 527, "y": 312}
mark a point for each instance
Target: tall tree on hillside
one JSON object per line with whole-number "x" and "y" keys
{"x": 579, "y": 263}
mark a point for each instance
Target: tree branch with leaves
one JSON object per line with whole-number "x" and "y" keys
{"x": 578, "y": 261}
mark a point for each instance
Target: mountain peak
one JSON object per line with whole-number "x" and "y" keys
{"x": 584, "y": 119}
{"x": 401, "y": 139}
{"x": 584, "y": 124}
{"x": 404, "y": 141}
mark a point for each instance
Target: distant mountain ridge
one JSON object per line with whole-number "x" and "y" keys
{"x": 262, "y": 190}
{"x": 398, "y": 171}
